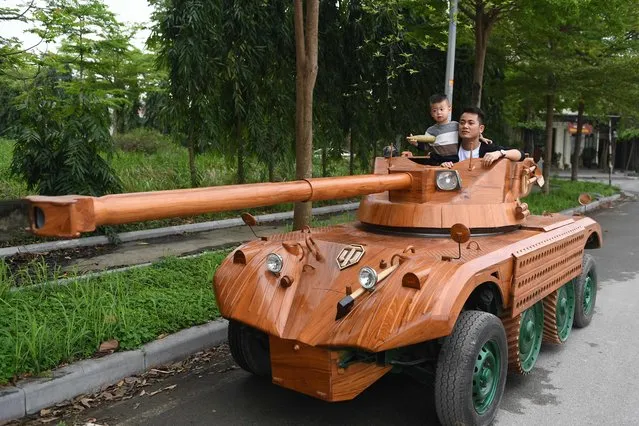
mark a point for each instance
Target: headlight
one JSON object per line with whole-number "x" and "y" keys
{"x": 367, "y": 278}
{"x": 448, "y": 180}
{"x": 274, "y": 263}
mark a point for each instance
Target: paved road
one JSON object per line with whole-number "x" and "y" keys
{"x": 591, "y": 380}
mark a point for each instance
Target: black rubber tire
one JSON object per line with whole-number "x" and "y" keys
{"x": 250, "y": 348}
{"x": 454, "y": 375}
{"x": 582, "y": 318}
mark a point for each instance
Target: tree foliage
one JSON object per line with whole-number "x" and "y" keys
{"x": 63, "y": 130}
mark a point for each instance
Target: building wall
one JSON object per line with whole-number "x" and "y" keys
{"x": 564, "y": 141}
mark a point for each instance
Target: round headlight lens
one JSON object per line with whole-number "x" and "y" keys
{"x": 447, "y": 180}
{"x": 367, "y": 278}
{"x": 274, "y": 263}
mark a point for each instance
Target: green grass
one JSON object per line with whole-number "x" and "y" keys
{"x": 564, "y": 194}
{"x": 43, "y": 327}
{"x": 9, "y": 187}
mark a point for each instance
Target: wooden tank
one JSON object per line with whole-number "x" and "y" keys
{"x": 446, "y": 277}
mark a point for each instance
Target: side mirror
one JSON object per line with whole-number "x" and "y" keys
{"x": 459, "y": 233}
{"x": 585, "y": 199}
{"x": 249, "y": 219}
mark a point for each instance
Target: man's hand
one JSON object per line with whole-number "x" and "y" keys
{"x": 491, "y": 157}
{"x": 447, "y": 164}
{"x": 412, "y": 139}
{"x": 407, "y": 154}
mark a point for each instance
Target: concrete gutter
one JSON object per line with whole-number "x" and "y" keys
{"x": 165, "y": 232}
{"x": 91, "y": 375}
{"x": 31, "y": 395}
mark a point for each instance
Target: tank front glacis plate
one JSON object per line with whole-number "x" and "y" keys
{"x": 300, "y": 303}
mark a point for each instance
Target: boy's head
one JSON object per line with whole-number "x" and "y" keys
{"x": 440, "y": 108}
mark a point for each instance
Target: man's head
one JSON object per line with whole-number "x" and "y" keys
{"x": 440, "y": 108}
{"x": 471, "y": 124}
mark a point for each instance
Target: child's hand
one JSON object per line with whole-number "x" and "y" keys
{"x": 412, "y": 139}
{"x": 484, "y": 140}
{"x": 447, "y": 164}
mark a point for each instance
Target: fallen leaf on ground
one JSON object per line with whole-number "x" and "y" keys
{"x": 142, "y": 393}
{"x": 107, "y": 395}
{"x": 49, "y": 419}
{"x": 170, "y": 387}
{"x": 45, "y": 412}
{"x": 86, "y": 402}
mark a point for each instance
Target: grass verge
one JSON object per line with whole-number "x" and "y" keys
{"x": 564, "y": 195}
{"x": 44, "y": 327}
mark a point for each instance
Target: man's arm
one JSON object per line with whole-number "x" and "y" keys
{"x": 492, "y": 153}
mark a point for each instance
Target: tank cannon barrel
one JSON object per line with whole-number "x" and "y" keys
{"x": 70, "y": 215}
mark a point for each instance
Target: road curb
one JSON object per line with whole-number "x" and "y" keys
{"x": 31, "y": 395}
{"x": 165, "y": 232}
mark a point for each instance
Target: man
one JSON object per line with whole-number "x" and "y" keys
{"x": 471, "y": 126}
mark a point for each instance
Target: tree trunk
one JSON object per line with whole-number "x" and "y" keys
{"x": 575, "y": 155}
{"x": 483, "y": 27}
{"x": 632, "y": 148}
{"x": 603, "y": 156}
{"x": 613, "y": 156}
{"x": 550, "y": 111}
{"x": 306, "y": 74}
{"x": 324, "y": 163}
{"x": 349, "y": 143}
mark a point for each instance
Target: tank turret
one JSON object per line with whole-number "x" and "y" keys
{"x": 446, "y": 276}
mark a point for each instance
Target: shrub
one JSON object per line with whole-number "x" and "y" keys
{"x": 144, "y": 140}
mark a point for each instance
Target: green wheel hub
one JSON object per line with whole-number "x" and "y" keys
{"x": 530, "y": 334}
{"x": 589, "y": 291}
{"x": 486, "y": 376}
{"x": 565, "y": 310}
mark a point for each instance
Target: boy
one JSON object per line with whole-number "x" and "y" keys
{"x": 443, "y": 135}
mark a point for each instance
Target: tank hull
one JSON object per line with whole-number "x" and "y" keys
{"x": 418, "y": 301}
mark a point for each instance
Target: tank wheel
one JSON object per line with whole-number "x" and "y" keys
{"x": 249, "y": 348}
{"x": 585, "y": 292}
{"x": 559, "y": 312}
{"x": 525, "y": 332}
{"x": 471, "y": 370}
